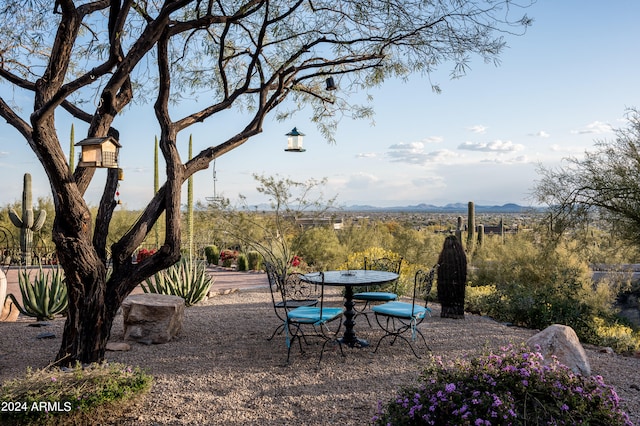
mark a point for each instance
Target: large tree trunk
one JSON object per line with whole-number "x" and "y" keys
{"x": 89, "y": 319}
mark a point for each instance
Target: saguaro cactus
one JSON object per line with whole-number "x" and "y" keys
{"x": 471, "y": 226}
{"x": 27, "y": 224}
{"x": 452, "y": 278}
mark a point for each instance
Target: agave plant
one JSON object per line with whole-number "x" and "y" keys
{"x": 45, "y": 296}
{"x": 187, "y": 279}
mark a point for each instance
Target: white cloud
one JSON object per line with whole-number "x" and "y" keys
{"x": 414, "y": 153}
{"x": 541, "y": 134}
{"x": 361, "y": 180}
{"x": 366, "y": 155}
{"x": 411, "y": 146}
{"x": 442, "y": 155}
{"x": 495, "y": 146}
{"x": 433, "y": 139}
{"x": 3, "y": 153}
{"x": 478, "y": 128}
{"x": 596, "y": 127}
{"x": 520, "y": 159}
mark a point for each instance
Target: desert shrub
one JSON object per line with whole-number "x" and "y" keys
{"x": 622, "y": 338}
{"x": 80, "y": 395}
{"x": 228, "y": 257}
{"x": 212, "y": 254}
{"x": 514, "y": 387}
{"x": 321, "y": 248}
{"x": 255, "y": 260}
{"x": 475, "y": 300}
{"x": 536, "y": 286}
{"x": 188, "y": 279}
{"x": 243, "y": 263}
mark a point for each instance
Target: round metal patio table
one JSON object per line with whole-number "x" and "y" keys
{"x": 348, "y": 280}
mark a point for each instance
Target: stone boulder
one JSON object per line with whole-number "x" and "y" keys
{"x": 9, "y": 312}
{"x": 563, "y": 343}
{"x": 152, "y": 318}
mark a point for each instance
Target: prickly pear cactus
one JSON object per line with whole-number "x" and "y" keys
{"x": 27, "y": 224}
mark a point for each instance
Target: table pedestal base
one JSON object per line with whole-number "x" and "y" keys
{"x": 357, "y": 343}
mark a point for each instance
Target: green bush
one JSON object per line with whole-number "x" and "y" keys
{"x": 188, "y": 279}
{"x": 255, "y": 260}
{"x": 81, "y": 395}
{"x": 45, "y": 297}
{"x": 212, "y": 254}
{"x": 243, "y": 263}
{"x": 476, "y": 298}
{"x": 515, "y": 387}
{"x": 535, "y": 286}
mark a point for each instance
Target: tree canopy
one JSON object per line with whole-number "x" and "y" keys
{"x": 605, "y": 181}
{"x": 92, "y": 59}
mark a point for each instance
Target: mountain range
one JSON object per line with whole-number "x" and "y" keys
{"x": 449, "y": 208}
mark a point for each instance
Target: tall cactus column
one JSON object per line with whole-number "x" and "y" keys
{"x": 452, "y": 278}
{"x": 27, "y": 224}
{"x": 471, "y": 226}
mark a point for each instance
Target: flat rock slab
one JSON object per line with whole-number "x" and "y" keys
{"x": 152, "y": 318}
{"x": 118, "y": 346}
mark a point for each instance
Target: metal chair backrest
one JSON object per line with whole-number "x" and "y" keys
{"x": 385, "y": 264}
{"x": 275, "y": 283}
{"x": 321, "y": 293}
{"x": 295, "y": 288}
{"x": 422, "y": 286}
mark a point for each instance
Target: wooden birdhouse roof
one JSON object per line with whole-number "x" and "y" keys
{"x": 98, "y": 141}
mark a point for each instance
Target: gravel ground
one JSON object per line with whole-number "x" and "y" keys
{"x": 221, "y": 369}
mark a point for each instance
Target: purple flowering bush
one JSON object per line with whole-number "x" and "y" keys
{"x": 515, "y": 387}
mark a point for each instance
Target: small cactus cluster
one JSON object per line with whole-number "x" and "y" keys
{"x": 27, "y": 224}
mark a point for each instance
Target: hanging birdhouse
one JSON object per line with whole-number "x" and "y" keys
{"x": 99, "y": 152}
{"x": 294, "y": 141}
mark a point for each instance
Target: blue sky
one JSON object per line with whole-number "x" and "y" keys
{"x": 560, "y": 87}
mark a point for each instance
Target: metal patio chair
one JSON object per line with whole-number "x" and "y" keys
{"x": 315, "y": 317}
{"x": 288, "y": 293}
{"x": 367, "y": 296}
{"x": 397, "y": 318}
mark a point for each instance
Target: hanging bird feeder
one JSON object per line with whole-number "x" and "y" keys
{"x": 99, "y": 152}
{"x": 294, "y": 141}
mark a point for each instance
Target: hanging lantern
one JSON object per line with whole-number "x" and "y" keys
{"x": 294, "y": 141}
{"x": 120, "y": 174}
{"x": 331, "y": 84}
{"x": 99, "y": 152}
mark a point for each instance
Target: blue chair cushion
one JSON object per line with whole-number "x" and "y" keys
{"x": 311, "y": 315}
{"x": 400, "y": 310}
{"x": 375, "y": 295}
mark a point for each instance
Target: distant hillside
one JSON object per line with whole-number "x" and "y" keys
{"x": 449, "y": 208}
{"x": 428, "y": 208}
